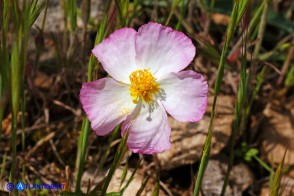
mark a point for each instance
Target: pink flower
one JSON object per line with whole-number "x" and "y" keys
{"x": 146, "y": 83}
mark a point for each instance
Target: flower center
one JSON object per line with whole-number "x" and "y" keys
{"x": 143, "y": 85}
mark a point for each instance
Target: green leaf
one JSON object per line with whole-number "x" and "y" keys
{"x": 238, "y": 10}
{"x": 143, "y": 185}
{"x": 275, "y": 184}
{"x": 289, "y": 81}
{"x": 124, "y": 174}
{"x": 250, "y": 154}
{"x": 35, "y": 12}
{"x": 132, "y": 176}
{"x": 73, "y": 14}
{"x": 155, "y": 191}
{"x": 113, "y": 194}
{"x": 121, "y": 150}
{"x": 280, "y": 22}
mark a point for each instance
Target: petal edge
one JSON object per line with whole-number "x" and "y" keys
{"x": 185, "y": 95}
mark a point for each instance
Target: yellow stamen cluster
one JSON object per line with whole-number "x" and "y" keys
{"x": 143, "y": 85}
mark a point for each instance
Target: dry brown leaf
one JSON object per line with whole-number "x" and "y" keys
{"x": 6, "y": 123}
{"x": 42, "y": 80}
{"x": 220, "y": 19}
{"x": 277, "y": 135}
{"x": 265, "y": 191}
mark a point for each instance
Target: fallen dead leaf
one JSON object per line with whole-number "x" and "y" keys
{"x": 220, "y": 19}
{"x": 265, "y": 191}
{"x": 6, "y": 123}
{"x": 42, "y": 80}
{"x": 277, "y": 135}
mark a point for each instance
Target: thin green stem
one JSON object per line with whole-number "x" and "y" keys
{"x": 131, "y": 177}
{"x": 276, "y": 178}
{"x": 237, "y": 10}
{"x": 263, "y": 164}
{"x": 182, "y": 13}
{"x": 13, "y": 141}
{"x": 15, "y": 84}
{"x": 232, "y": 152}
{"x": 261, "y": 30}
{"x": 23, "y": 109}
{"x": 122, "y": 7}
{"x": 174, "y": 6}
{"x": 242, "y": 91}
{"x": 3, "y": 165}
{"x": 106, "y": 152}
{"x": 81, "y": 157}
{"x": 122, "y": 148}
{"x": 252, "y": 26}
{"x": 44, "y": 17}
{"x": 83, "y": 138}
{"x": 1, "y": 104}
{"x": 155, "y": 191}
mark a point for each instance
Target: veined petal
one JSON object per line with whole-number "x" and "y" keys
{"x": 184, "y": 95}
{"x": 163, "y": 49}
{"x": 148, "y": 128}
{"x": 117, "y": 54}
{"x": 107, "y": 103}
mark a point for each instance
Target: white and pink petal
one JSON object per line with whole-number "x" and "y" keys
{"x": 163, "y": 49}
{"x": 184, "y": 95}
{"x": 148, "y": 129}
{"x": 117, "y": 54}
{"x": 106, "y": 103}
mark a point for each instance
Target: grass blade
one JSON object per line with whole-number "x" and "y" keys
{"x": 35, "y": 12}
{"x": 155, "y": 191}
{"x": 131, "y": 177}
{"x": 121, "y": 150}
{"x": 174, "y": 6}
{"x": 140, "y": 191}
{"x": 276, "y": 182}
{"x": 15, "y": 96}
{"x": 261, "y": 30}
{"x": 72, "y": 6}
{"x": 83, "y": 138}
{"x": 236, "y": 13}
{"x": 124, "y": 174}
{"x": 122, "y": 7}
